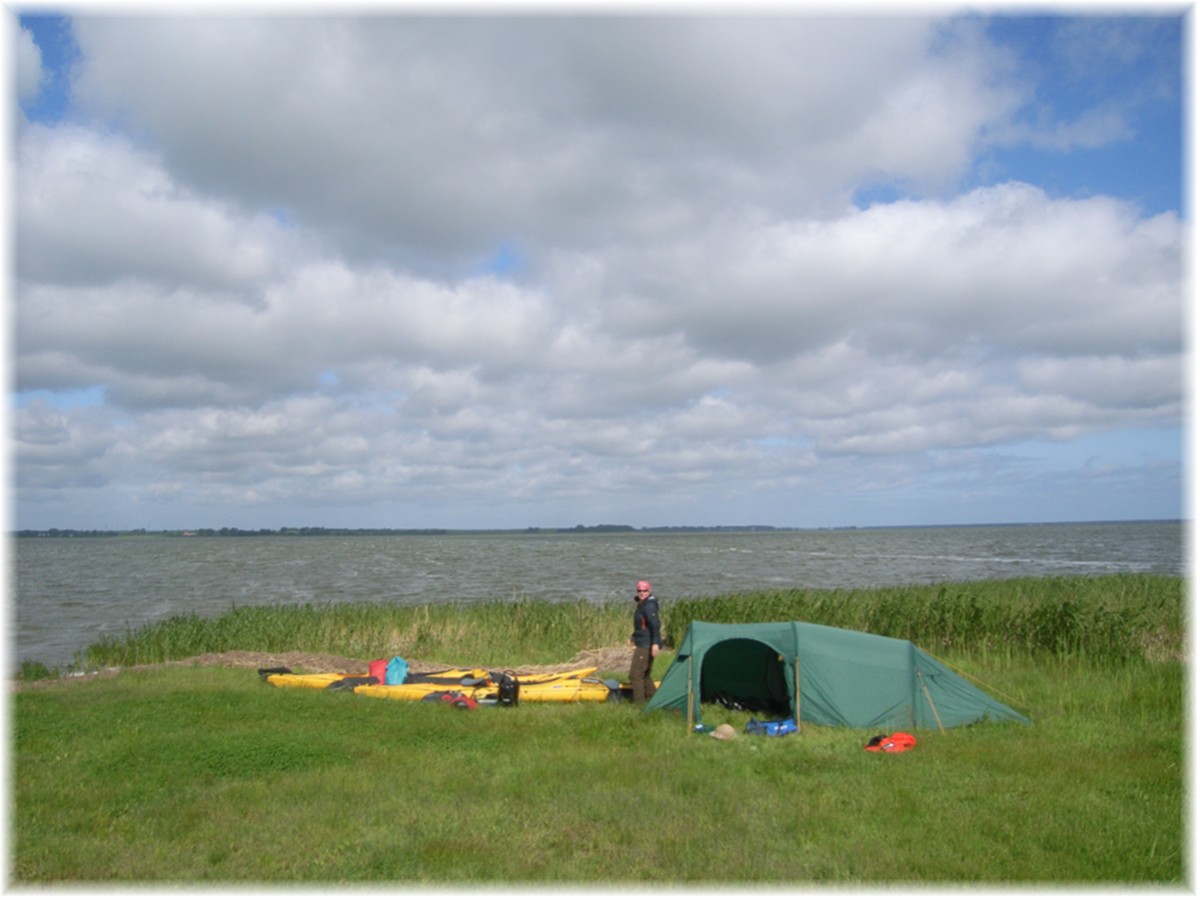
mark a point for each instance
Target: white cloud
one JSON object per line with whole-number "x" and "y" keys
{"x": 278, "y": 277}
{"x": 28, "y": 59}
{"x": 434, "y": 136}
{"x": 1003, "y": 270}
{"x": 94, "y": 209}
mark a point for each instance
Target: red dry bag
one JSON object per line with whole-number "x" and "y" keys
{"x": 378, "y": 669}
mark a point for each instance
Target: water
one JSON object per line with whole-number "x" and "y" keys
{"x": 72, "y": 592}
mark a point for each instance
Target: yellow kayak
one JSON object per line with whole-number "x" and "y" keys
{"x": 566, "y": 690}
{"x": 543, "y": 677}
{"x": 575, "y": 686}
{"x": 562, "y": 686}
{"x": 319, "y": 681}
{"x": 421, "y": 691}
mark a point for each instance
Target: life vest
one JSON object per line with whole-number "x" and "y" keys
{"x": 895, "y": 743}
{"x": 452, "y": 698}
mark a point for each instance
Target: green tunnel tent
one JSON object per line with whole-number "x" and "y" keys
{"x": 822, "y": 675}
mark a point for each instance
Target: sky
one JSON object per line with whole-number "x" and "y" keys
{"x": 541, "y": 268}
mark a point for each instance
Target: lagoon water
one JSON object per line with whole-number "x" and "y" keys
{"x": 70, "y": 592}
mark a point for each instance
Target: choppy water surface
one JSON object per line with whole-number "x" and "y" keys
{"x": 71, "y": 592}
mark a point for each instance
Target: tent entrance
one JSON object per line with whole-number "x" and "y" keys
{"x": 746, "y": 672}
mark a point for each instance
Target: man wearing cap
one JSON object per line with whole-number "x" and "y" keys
{"x": 646, "y": 641}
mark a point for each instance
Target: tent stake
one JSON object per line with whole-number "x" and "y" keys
{"x": 925, "y": 688}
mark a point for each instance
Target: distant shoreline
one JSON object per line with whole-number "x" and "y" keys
{"x": 318, "y": 531}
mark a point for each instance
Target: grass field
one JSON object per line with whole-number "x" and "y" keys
{"x": 199, "y": 776}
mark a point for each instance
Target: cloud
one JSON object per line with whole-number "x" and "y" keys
{"x": 1003, "y": 270}
{"x": 281, "y": 271}
{"x": 94, "y": 209}
{"x": 1076, "y": 83}
{"x": 28, "y": 58}
{"x": 413, "y": 136}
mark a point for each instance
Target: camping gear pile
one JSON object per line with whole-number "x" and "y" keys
{"x": 462, "y": 688}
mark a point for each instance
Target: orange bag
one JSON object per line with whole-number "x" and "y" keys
{"x": 896, "y": 743}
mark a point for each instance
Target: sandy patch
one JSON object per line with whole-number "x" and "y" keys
{"x": 605, "y": 659}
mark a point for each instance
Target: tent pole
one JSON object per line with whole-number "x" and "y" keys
{"x": 689, "y": 696}
{"x": 925, "y": 688}
{"x": 796, "y": 706}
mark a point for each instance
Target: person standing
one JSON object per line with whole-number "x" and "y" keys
{"x": 647, "y": 642}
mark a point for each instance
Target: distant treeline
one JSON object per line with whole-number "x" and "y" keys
{"x": 659, "y": 528}
{"x": 319, "y": 532}
{"x": 220, "y": 532}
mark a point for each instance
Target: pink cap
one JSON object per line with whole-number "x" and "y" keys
{"x": 643, "y": 585}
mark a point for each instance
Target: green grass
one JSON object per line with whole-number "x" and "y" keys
{"x": 181, "y": 776}
{"x": 203, "y": 776}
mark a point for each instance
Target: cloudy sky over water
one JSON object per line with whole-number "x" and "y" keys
{"x": 400, "y": 270}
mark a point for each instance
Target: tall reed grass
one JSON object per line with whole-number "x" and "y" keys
{"x": 1106, "y": 620}
{"x": 502, "y": 633}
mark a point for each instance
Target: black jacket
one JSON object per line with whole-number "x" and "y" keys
{"x": 646, "y": 627}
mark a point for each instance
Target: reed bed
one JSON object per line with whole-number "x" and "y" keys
{"x": 1105, "y": 619}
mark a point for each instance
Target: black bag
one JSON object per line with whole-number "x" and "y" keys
{"x": 730, "y": 702}
{"x": 510, "y": 690}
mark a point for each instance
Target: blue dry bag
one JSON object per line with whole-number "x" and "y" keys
{"x": 397, "y": 671}
{"x": 771, "y": 729}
